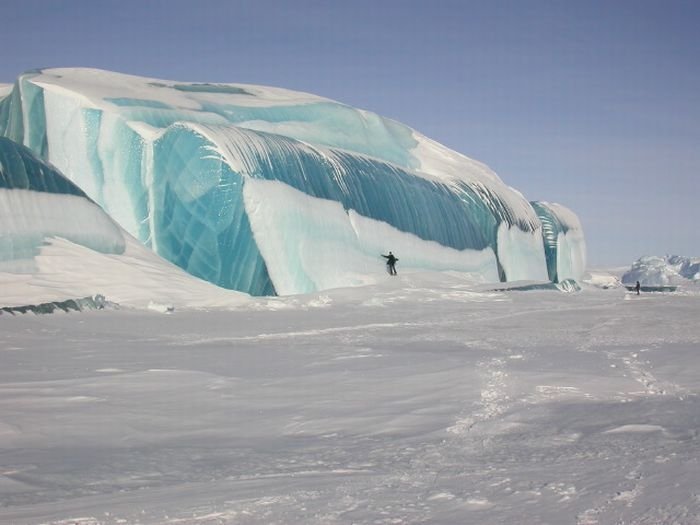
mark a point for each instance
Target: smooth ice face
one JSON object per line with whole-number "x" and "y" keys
{"x": 37, "y": 202}
{"x": 323, "y": 246}
{"x": 214, "y": 164}
{"x": 521, "y": 254}
{"x": 171, "y": 163}
{"x": 564, "y": 244}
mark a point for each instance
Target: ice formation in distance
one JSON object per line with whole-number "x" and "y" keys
{"x": 266, "y": 190}
{"x": 37, "y": 202}
{"x": 663, "y": 271}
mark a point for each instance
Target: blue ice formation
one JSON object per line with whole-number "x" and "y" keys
{"x": 37, "y": 202}
{"x": 266, "y": 190}
{"x": 20, "y": 169}
{"x": 566, "y": 286}
{"x": 96, "y": 302}
{"x": 564, "y": 246}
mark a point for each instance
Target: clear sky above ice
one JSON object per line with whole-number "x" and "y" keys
{"x": 594, "y": 104}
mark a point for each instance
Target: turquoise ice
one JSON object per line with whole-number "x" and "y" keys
{"x": 266, "y": 190}
{"x": 37, "y": 203}
{"x": 564, "y": 245}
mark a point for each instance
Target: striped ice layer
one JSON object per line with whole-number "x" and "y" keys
{"x": 266, "y": 190}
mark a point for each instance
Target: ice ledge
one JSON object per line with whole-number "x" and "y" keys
{"x": 97, "y": 302}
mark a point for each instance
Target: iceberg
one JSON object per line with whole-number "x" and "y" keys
{"x": 656, "y": 271}
{"x": 271, "y": 191}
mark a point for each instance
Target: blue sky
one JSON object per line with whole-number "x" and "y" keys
{"x": 592, "y": 104}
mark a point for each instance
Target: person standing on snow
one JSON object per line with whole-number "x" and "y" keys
{"x": 637, "y": 286}
{"x": 390, "y": 263}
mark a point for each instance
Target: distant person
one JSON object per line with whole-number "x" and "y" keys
{"x": 637, "y": 286}
{"x": 390, "y": 263}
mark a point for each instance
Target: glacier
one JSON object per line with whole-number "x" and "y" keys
{"x": 270, "y": 191}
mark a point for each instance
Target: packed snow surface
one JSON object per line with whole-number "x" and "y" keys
{"x": 419, "y": 399}
{"x": 182, "y": 167}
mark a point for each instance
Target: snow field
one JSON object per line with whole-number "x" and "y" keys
{"x": 418, "y": 399}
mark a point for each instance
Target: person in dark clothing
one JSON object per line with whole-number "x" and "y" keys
{"x": 637, "y": 287}
{"x": 390, "y": 263}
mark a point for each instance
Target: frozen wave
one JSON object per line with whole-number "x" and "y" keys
{"x": 564, "y": 244}
{"x": 170, "y": 162}
{"x": 37, "y": 202}
{"x": 57, "y": 244}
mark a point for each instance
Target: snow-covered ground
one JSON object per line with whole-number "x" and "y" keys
{"x": 418, "y": 400}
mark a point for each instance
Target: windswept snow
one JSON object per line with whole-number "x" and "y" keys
{"x": 421, "y": 399}
{"x": 64, "y": 270}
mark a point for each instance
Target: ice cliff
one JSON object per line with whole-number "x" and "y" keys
{"x": 266, "y": 190}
